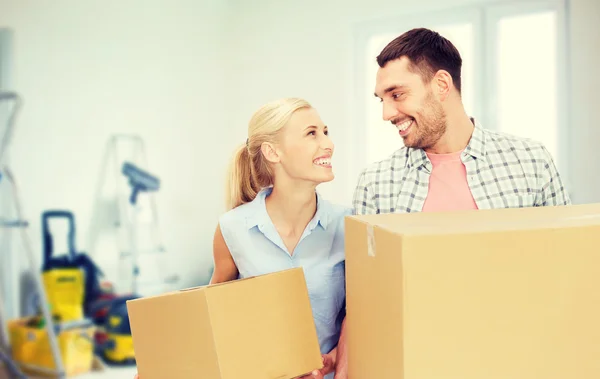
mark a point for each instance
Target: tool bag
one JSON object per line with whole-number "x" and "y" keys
{"x": 72, "y": 280}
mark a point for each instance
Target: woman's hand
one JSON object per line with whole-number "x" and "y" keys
{"x": 328, "y": 366}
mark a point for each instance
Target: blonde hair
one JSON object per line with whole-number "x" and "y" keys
{"x": 249, "y": 171}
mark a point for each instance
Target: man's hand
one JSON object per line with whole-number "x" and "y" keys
{"x": 328, "y": 366}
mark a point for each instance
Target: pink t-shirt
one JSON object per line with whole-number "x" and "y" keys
{"x": 448, "y": 186}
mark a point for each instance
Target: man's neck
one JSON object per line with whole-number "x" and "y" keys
{"x": 459, "y": 129}
{"x": 291, "y": 206}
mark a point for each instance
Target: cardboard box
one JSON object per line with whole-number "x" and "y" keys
{"x": 511, "y": 293}
{"x": 254, "y": 328}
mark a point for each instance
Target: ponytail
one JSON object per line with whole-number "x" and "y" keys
{"x": 241, "y": 187}
{"x": 249, "y": 172}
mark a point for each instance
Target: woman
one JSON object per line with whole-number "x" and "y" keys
{"x": 276, "y": 219}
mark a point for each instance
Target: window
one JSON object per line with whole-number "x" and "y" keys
{"x": 505, "y": 84}
{"x": 527, "y": 87}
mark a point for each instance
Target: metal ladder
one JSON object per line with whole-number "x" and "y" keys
{"x": 136, "y": 219}
{"x": 22, "y": 225}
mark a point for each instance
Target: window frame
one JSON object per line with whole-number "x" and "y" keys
{"x": 495, "y": 13}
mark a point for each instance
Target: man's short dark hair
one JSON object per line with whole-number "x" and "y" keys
{"x": 428, "y": 53}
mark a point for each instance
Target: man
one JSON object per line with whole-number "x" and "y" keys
{"x": 448, "y": 161}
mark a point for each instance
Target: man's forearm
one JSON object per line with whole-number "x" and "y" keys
{"x": 341, "y": 367}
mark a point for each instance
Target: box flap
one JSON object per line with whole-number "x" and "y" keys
{"x": 374, "y": 302}
{"x": 268, "y": 302}
{"x": 172, "y": 336}
{"x": 486, "y": 220}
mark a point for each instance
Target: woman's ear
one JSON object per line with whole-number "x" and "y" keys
{"x": 269, "y": 152}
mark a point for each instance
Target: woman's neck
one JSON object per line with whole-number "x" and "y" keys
{"x": 291, "y": 206}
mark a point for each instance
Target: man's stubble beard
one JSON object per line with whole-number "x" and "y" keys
{"x": 431, "y": 126}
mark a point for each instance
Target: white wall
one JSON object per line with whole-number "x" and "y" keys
{"x": 585, "y": 81}
{"x": 87, "y": 69}
{"x": 306, "y": 49}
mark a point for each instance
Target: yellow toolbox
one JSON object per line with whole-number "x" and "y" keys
{"x": 65, "y": 291}
{"x": 30, "y": 346}
{"x": 64, "y": 279}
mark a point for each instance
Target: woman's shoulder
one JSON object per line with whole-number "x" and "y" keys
{"x": 246, "y": 210}
{"x": 236, "y": 216}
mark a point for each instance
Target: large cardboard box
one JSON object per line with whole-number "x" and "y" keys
{"x": 254, "y": 328}
{"x": 511, "y": 293}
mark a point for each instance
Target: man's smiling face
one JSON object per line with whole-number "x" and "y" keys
{"x": 410, "y": 104}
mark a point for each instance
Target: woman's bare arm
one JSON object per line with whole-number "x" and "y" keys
{"x": 225, "y": 268}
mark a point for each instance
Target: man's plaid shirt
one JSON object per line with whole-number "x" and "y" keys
{"x": 503, "y": 171}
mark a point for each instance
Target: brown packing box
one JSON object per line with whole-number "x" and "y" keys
{"x": 511, "y": 293}
{"x": 254, "y": 328}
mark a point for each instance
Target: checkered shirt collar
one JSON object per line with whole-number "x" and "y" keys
{"x": 475, "y": 148}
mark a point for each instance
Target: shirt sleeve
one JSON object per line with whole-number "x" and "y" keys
{"x": 365, "y": 200}
{"x": 553, "y": 189}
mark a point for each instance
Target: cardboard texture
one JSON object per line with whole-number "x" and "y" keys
{"x": 509, "y": 293}
{"x": 254, "y": 328}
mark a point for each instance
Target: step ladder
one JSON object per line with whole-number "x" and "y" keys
{"x": 19, "y": 223}
{"x": 143, "y": 257}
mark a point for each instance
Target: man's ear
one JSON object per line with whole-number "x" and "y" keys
{"x": 442, "y": 83}
{"x": 269, "y": 151}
